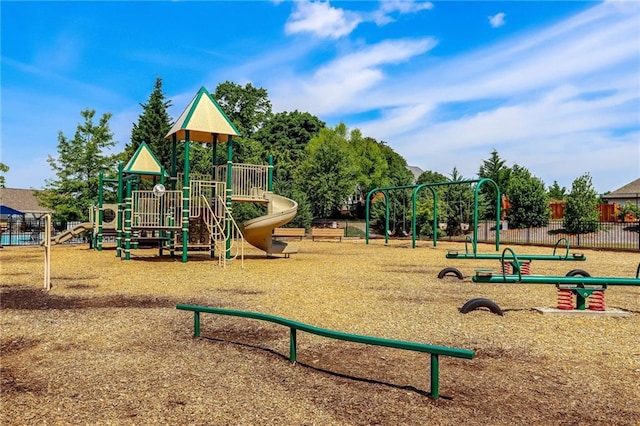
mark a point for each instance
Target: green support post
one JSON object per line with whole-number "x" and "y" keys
{"x": 120, "y": 213}
{"x": 229, "y": 194}
{"x": 214, "y": 163}
{"x": 173, "y": 183}
{"x": 293, "y": 344}
{"x": 270, "y": 174}
{"x": 196, "y": 324}
{"x": 435, "y": 374}
{"x": 127, "y": 223}
{"x": 185, "y": 199}
{"x": 100, "y": 218}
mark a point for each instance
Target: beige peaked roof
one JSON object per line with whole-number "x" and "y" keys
{"x": 632, "y": 189}
{"x": 203, "y": 118}
{"x": 144, "y": 162}
{"x": 22, "y": 200}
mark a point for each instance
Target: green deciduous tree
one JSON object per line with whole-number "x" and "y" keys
{"x": 424, "y": 205}
{"x": 327, "y": 175}
{"x": 285, "y": 136}
{"x": 248, "y": 107}
{"x": 371, "y": 164}
{"x": 458, "y": 206}
{"x": 3, "y": 169}
{"x": 581, "y": 212}
{"x": 528, "y": 199}
{"x": 77, "y": 166}
{"x": 153, "y": 125}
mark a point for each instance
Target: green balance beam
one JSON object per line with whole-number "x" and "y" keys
{"x": 434, "y": 350}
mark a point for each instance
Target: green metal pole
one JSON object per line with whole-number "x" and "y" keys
{"x": 293, "y": 342}
{"x": 214, "y": 155}
{"x": 196, "y": 324}
{"x": 270, "y": 174}
{"x": 214, "y": 195}
{"x": 174, "y": 161}
{"x": 100, "y": 218}
{"x": 185, "y": 199}
{"x": 386, "y": 217}
{"x": 119, "y": 213}
{"x": 366, "y": 216}
{"x": 127, "y": 223}
{"x": 228, "y": 197}
{"x": 435, "y": 377}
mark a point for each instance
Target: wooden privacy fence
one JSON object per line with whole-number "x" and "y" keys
{"x": 608, "y": 212}
{"x": 294, "y": 326}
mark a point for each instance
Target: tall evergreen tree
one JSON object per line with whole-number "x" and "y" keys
{"x": 556, "y": 192}
{"x": 458, "y": 205}
{"x": 153, "y": 125}
{"x": 77, "y": 166}
{"x": 495, "y": 169}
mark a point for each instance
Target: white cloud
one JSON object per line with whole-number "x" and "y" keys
{"x": 388, "y": 7}
{"x": 337, "y": 85}
{"x": 545, "y": 103}
{"x": 325, "y": 21}
{"x": 321, "y": 19}
{"x": 497, "y": 20}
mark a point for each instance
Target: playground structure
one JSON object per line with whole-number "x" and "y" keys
{"x": 576, "y": 283}
{"x": 193, "y": 213}
{"x": 415, "y": 190}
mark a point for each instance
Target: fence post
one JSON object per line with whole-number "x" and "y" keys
{"x": 579, "y": 232}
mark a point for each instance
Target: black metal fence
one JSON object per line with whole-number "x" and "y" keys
{"x": 610, "y": 235}
{"x": 17, "y": 231}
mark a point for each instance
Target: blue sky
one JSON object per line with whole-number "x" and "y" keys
{"x": 553, "y": 86}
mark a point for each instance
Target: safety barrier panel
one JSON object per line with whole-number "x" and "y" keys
{"x": 294, "y": 326}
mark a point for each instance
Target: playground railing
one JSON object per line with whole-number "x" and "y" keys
{"x": 207, "y": 191}
{"x": 248, "y": 181}
{"x": 294, "y": 326}
{"x": 154, "y": 211}
{"x": 220, "y": 232}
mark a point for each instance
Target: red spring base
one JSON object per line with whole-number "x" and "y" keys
{"x": 596, "y": 301}
{"x": 565, "y": 299}
{"x": 525, "y": 268}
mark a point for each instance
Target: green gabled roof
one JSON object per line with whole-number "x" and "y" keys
{"x": 203, "y": 118}
{"x": 144, "y": 162}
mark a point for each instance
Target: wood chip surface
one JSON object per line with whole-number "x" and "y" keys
{"x": 106, "y": 345}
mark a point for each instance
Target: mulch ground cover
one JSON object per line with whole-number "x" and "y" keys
{"x": 106, "y": 345}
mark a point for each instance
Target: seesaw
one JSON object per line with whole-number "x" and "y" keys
{"x": 454, "y": 254}
{"x": 583, "y": 287}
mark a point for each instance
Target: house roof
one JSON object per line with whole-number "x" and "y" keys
{"x": 630, "y": 190}
{"x": 203, "y": 118}
{"x": 23, "y": 200}
{"x": 417, "y": 171}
